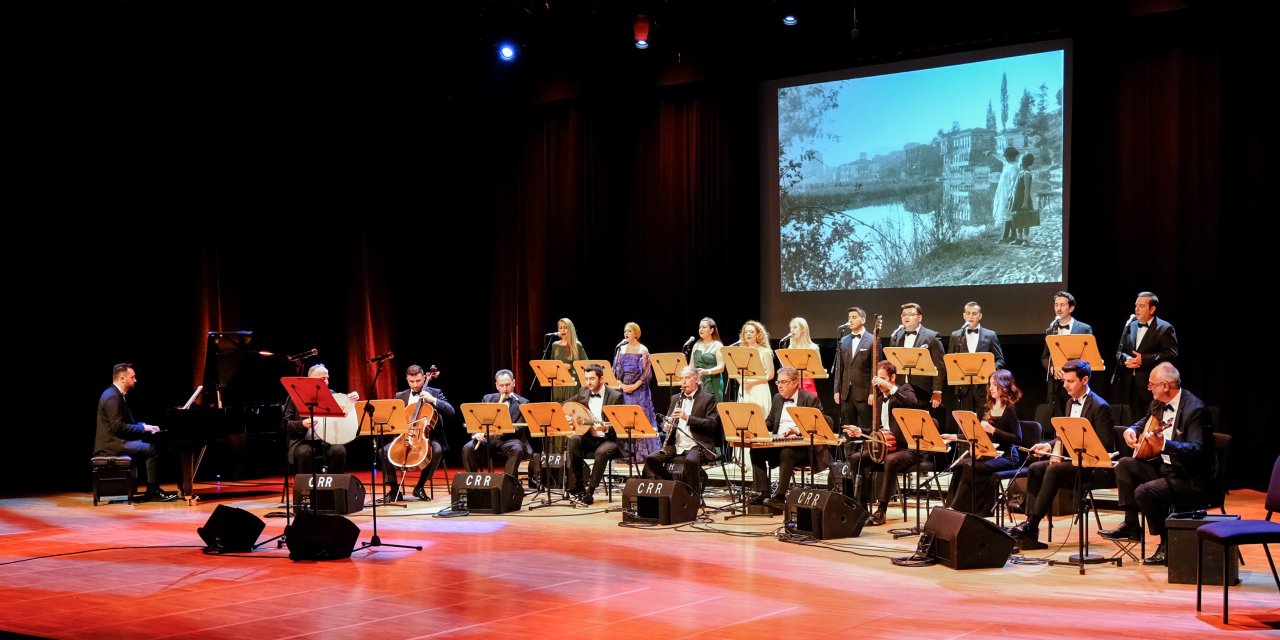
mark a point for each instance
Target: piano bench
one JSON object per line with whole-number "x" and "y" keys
{"x": 113, "y": 476}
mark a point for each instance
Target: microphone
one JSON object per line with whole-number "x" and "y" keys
{"x": 785, "y": 338}
{"x": 1053, "y": 326}
{"x": 843, "y": 326}
{"x": 551, "y": 334}
{"x": 382, "y": 358}
{"x": 736, "y": 343}
{"x": 1132, "y": 317}
{"x": 304, "y": 355}
{"x": 619, "y": 345}
{"x": 687, "y": 342}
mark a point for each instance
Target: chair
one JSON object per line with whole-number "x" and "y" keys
{"x": 1031, "y": 431}
{"x": 113, "y": 476}
{"x": 1231, "y": 533}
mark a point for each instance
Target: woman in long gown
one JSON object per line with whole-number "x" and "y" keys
{"x": 1001, "y": 424}
{"x": 631, "y": 366}
{"x": 708, "y": 359}
{"x": 567, "y": 349}
{"x": 800, "y": 340}
{"x": 753, "y": 334}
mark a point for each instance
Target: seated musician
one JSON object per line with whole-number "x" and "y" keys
{"x": 418, "y": 391}
{"x": 694, "y": 433}
{"x": 973, "y": 485}
{"x": 305, "y": 446}
{"x": 781, "y": 425}
{"x": 601, "y": 443}
{"x": 509, "y": 447}
{"x": 1181, "y": 467}
{"x": 899, "y": 457}
{"x": 119, "y": 434}
{"x": 1046, "y": 477}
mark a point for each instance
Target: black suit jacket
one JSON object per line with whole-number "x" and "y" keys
{"x": 703, "y": 420}
{"x": 522, "y": 433}
{"x": 988, "y": 342}
{"x": 443, "y": 410}
{"x": 1159, "y": 345}
{"x": 610, "y": 396}
{"x": 926, "y": 339}
{"x": 904, "y": 397}
{"x": 1098, "y": 413}
{"x": 853, "y": 370}
{"x": 1190, "y": 450}
{"x": 1077, "y": 328}
{"x": 822, "y": 455}
{"x": 116, "y": 423}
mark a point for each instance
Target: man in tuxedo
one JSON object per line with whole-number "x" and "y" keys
{"x": 305, "y": 444}
{"x": 1064, "y": 304}
{"x": 1046, "y": 477}
{"x": 913, "y": 334}
{"x": 119, "y": 434}
{"x": 852, "y": 375}
{"x": 780, "y": 424}
{"x": 509, "y": 447}
{"x": 899, "y": 458}
{"x": 1146, "y": 342}
{"x": 599, "y": 442}
{"x": 417, "y": 392}
{"x": 974, "y": 338}
{"x": 1180, "y": 472}
{"x": 695, "y": 434}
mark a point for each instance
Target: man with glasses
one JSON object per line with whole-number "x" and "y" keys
{"x": 781, "y": 425}
{"x": 913, "y": 334}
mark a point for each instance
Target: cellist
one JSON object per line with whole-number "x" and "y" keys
{"x": 418, "y": 391}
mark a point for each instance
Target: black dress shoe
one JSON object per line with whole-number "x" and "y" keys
{"x": 776, "y": 502}
{"x": 755, "y": 498}
{"x": 393, "y": 495}
{"x": 877, "y": 518}
{"x": 1025, "y": 532}
{"x": 159, "y": 495}
{"x": 1160, "y": 557}
{"x": 420, "y": 493}
{"x": 1125, "y": 531}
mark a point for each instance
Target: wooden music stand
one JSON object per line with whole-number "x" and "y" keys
{"x": 1077, "y": 435}
{"x": 971, "y": 428}
{"x": 489, "y": 418}
{"x": 666, "y": 367}
{"x": 546, "y": 420}
{"x": 807, "y": 362}
{"x": 743, "y": 424}
{"x": 911, "y": 361}
{"x": 971, "y": 370}
{"x": 746, "y": 361}
{"x": 610, "y": 380}
{"x": 1083, "y": 346}
{"x": 918, "y": 425}
{"x": 811, "y": 421}
{"x": 553, "y": 373}
{"x": 629, "y": 423}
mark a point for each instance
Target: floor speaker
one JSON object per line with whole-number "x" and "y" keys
{"x": 320, "y": 537}
{"x": 230, "y": 529}
{"x": 333, "y": 493}
{"x": 965, "y": 541}
{"x": 659, "y": 501}
{"x": 487, "y": 492}
{"x": 824, "y": 514}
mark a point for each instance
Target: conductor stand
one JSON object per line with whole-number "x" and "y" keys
{"x": 635, "y": 425}
{"x": 1078, "y": 436}
{"x": 385, "y": 417}
{"x": 743, "y": 424}
{"x": 812, "y": 422}
{"x": 546, "y": 420}
{"x": 918, "y": 425}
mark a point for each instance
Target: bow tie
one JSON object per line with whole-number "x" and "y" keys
{"x": 1159, "y": 409}
{"x": 506, "y": 399}
{"x": 595, "y": 395}
{"x": 687, "y": 397}
{"x": 1079, "y": 402}
{"x": 1143, "y": 325}
{"x": 908, "y": 333}
{"x": 974, "y": 330}
{"x": 789, "y": 400}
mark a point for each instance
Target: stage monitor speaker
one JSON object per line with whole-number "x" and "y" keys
{"x": 487, "y": 492}
{"x": 229, "y": 529}
{"x": 824, "y": 514}
{"x": 336, "y": 493}
{"x": 965, "y": 541}
{"x": 553, "y": 466}
{"x": 320, "y": 537}
{"x": 659, "y": 501}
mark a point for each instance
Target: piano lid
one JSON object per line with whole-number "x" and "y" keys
{"x": 240, "y": 373}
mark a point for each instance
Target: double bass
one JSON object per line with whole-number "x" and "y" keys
{"x": 412, "y": 449}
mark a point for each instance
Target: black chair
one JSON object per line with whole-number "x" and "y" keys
{"x": 1031, "y": 431}
{"x": 1229, "y": 533}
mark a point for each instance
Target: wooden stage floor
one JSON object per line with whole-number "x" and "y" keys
{"x": 72, "y": 570}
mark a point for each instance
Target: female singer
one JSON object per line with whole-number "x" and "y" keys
{"x": 753, "y": 334}
{"x": 800, "y": 340}
{"x": 631, "y": 365}
{"x": 708, "y": 359}
{"x": 567, "y": 349}
{"x": 1001, "y": 423}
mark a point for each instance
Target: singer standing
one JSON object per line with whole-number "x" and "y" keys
{"x": 694, "y": 435}
{"x": 852, "y": 374}
{"x": 631, "y": 365}
{"x": 1147, "y": 341}
{"x": 1064, "y": 305}
{"x": 708, "y": 360}
{"x": 974, "y": 338}
{"x": 913, "y": 334}
{"x": 567, "y": 349}
{"x": 418, "y": 391}
{"x": 799, "y": 328}
{"x": 756, "y": 388}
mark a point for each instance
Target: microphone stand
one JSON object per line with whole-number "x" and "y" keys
{"x": 376, "y": 541}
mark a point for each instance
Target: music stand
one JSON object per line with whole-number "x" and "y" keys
{"x": 634, "y": 424}
{"x": 911, "y": 361}
{"x": 971, "y": 369}
{"x": 490, "y": 418}
{"x": 1077, "y": 435}
{"x": 743, "y": 424}
{"x": 553, "y": 373}
{"x": 980, "y": 446}
{"x": 547, "y": 420}
{"x": 382, "y": 413}
{"x": 807, "y": 362}
{"x": 746, "y": 361}
{"x": 610, "y": 380}
{"x": 666, "y": 367}
{"x": 811, "y": 421}
{"x": 918, "y": 425}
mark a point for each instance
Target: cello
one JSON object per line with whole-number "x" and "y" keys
{"x": 412, "y": 449}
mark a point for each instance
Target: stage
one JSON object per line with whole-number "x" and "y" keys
{"x": 137, "y": 571}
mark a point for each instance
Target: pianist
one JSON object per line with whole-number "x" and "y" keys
{"x": 119, "y": 434}
{"x": 899, "y": 457}
{"x": 781, "y": 425}
{"x": 304, "y": 445}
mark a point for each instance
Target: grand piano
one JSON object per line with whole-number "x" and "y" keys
{"x": 241, "y": 397}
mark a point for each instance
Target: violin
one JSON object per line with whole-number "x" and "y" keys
{"x": 412, "y": 449}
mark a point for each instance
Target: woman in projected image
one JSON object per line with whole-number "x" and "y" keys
{"x": 1023, "y": 204}
{"x": 567, "y": 349}
{"x": 707, "y": 358}
{"x": 1002, "y": 206}
{"x": 756, "y": 390}
{"x": 973, "y": 486}
{"x": 800, "y": 339}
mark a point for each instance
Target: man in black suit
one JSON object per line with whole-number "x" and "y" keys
{"x": 119, "y": 434}
{"x": 1046, "y": 477}
{"x": 1146, "y": 342}
{"x": 695, "y": 434}
{"x": 912, "y": 333}
{"x": 511, "y": 447}
{"x": 852, "y": 375}
{"x": 780, "y": 424}
{"x": 1179, "y": 474}
{"x": 600, "y": 442}
{"x": 974, "y": 338}
{"x": 897, "y": 458}
{"x": 305, "y": 444}
{"x": 1064, "y": 304}
{"x": 417, "y": 392}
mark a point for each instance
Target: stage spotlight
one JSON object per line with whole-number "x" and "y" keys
{"x": 789, "y": 20}
{"x": 640, "y": 28}
{"x": 507, "y": 51}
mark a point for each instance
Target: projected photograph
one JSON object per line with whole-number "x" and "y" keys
{"x": 949, "y": 176}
